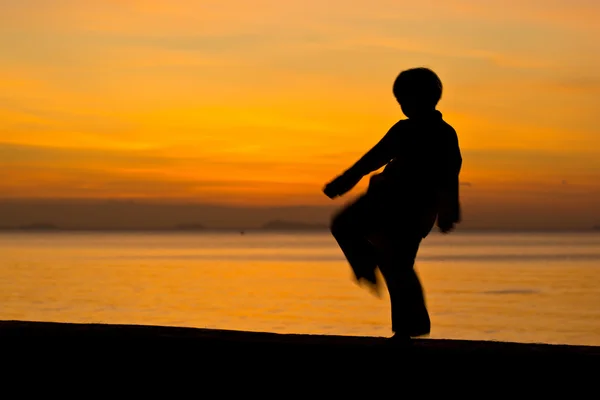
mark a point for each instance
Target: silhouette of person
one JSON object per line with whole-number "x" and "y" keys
{"x": 383, "y": 228}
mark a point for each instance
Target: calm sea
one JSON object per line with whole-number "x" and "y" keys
{"x": 515, "y": 287}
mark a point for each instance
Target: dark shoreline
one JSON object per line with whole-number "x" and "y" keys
{"x": 31, "y": 332}
{"x": 19, "y": 330}
{"x": 136, "y": 359}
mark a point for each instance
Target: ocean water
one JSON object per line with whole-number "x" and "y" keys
{"x": 515, "y": 287}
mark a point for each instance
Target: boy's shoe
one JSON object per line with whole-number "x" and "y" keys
{"x": 422, "y": 331}
{"x": 422, "y": 327}
{"x": 372, "y": 284}
{"x": 399, "y": 340}
{"x": 414, "y": 330}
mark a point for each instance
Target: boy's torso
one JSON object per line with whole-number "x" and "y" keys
{"x": 423, "y": 152}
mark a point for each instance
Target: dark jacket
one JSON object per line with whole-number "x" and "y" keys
{"x": 420, "y": 181}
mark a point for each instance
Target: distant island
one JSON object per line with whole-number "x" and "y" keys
{"x": 53, "y": 227}
{"x": 279, "y": 225}
{"x": 39, "y": 226}
{"x": 190, "y": 227}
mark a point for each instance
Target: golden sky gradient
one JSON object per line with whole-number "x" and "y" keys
{"x": 263, "y": 101}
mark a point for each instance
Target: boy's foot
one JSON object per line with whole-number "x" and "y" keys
{"x": 368, "y": 276}
{"x": 422, "y": 327}
{"x": 373, "y": 286}
{"x": 421, "y": 331}
{"x": 400, "y": 340}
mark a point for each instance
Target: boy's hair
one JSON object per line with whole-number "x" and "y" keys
{"x": 420, "y": 86}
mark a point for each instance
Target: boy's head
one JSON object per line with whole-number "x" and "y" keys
{"x": 418, "y": 90}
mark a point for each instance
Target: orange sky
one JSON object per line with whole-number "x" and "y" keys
{"x": 261, "y": 102}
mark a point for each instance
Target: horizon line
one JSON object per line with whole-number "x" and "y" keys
{"x": 323, "y": 228}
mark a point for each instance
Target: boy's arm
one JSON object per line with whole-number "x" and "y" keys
{"x": 449, "y": 211}
{"x": 377, "y": 157}
{"x": 381, "y": 154}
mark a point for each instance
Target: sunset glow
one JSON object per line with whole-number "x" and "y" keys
{"x": 261, "y": 102}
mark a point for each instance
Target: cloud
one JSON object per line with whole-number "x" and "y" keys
{"x": 576, "y": 84}
{"x": 31, "y": 155}
{"x": 46, "y": 169}
{"x": 572, "y": 14}
{"x": 85, "y": 182}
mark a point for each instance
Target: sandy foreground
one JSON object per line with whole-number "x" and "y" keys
{"x": 304, "y": 360}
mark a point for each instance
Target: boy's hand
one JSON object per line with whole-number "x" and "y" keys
{"x": 447, "y": 219}
{"x": 340, "y": 185}
{"x": 446, "y": 226}
{"x": 449, "y": 213}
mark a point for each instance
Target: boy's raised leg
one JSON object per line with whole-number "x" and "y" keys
{"x": 349, "y": 228}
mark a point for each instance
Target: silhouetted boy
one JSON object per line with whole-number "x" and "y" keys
{"x": 419, "y": 185}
